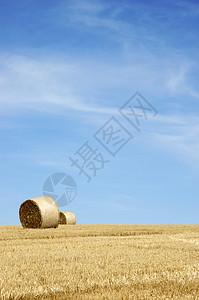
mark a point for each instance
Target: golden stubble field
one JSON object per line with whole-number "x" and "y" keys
{"x": 100, "y": 262}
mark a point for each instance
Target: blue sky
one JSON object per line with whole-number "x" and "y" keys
{"x": 66, "y": 67}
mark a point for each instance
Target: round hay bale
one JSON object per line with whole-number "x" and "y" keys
{"x": 67, "y": 217}
{"x": 40, "y": 212}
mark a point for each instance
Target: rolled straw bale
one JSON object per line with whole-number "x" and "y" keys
{"x": 67, "y": 217}
{"x": 40, "y": 212}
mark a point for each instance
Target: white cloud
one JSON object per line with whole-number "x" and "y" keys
{"x": 188, "y": 8}
{"x": 57, "y": 84}
{"x": 177, "y": 134}
{"x": 177, "y": 79}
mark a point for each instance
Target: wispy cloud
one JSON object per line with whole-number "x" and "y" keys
{"x": 59, "y": 84}
{"x": 177, "y": 134}
{"x": 177, "y": 79}
{"x": 188, "y": 8}
{"x": 142, "y": 24}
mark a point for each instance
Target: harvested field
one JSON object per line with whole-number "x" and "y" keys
{"x": 100, "y": 262}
